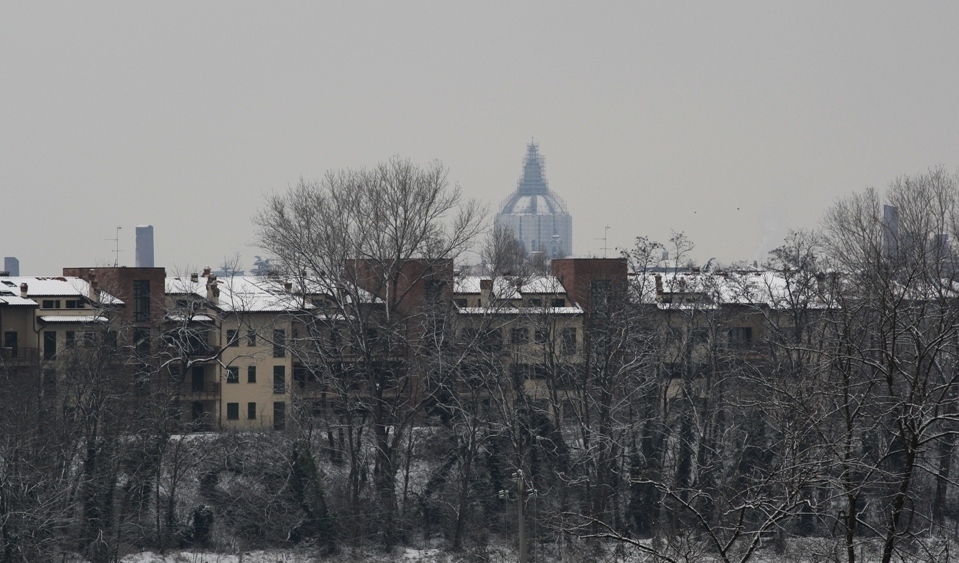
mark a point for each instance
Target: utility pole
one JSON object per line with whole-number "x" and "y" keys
{"x": 520, "y": 511}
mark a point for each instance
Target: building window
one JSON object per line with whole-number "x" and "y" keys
{"x": 279, "y": 415}
{"x": 141, "y": 340}
{"x": 141, "y": 300}
{"x": 569, "y": 341}
{"x": 491, "y": 340}
{"x": 460, "y": 302}
{"x": 299, "y": 375}
{"x": 279, "y": 379}
{"x": 173, "y": 412}
{"x": 233, "y": 411}
{"x": 231, "y": 338}
{"x": 519, "y": 336}
{"x": 535, "y": 302}
{"x": 88, "y": 339}
{"x": 599, "y": 295}
{"x": 433, "y": 290}
{"x": 740, "y": 335}
{"x": 279, "y": 343}
{"x": 10, "y": 342}
{"x": 196, "y": 379}
{"x": 251, "y": 411}
{"x": 232, "y": 374}
{"x": 49, "y": 345}
{"x": 74, "y": 304}
{"x": 110, "y": 339}
{"x": 541, "y": 336}
{"x": 51, "y": 303}
{"x": 197, "y": 413}
{"x": 251, "y": 337}
{"x": 251, "y": 374}
{"x": 559, "y": 302}
{"x": 71, "y": 339}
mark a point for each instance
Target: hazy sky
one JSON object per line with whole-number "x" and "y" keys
{"x": 730, "y": 121}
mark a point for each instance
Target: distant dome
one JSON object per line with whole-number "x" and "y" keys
{"x": 538, "y": 204}
{"x": 537, "y": 216}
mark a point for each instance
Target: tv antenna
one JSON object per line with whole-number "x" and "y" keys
{"x": 605, "y": 234}
{"x": 116, "y": 253}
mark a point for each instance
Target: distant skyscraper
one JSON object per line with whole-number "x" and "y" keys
{"x": 537, "y": 216}
{"x": 12, "y": 265}
{"x": 144, "y": 246}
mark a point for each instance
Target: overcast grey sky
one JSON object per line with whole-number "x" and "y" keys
{"x": 731, "y": 121}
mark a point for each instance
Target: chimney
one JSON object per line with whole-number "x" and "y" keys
{"x": 212, "y": 288}
{"x": 23, "y": 290}
{"x": 486, "y": 288}
{"x": 207, "y": 271}
{"x": 288, "y": 286}
{"x": 195, "y": 277}
{"x": 659, "y": 284}
{"x": 144, "y": 252}
{"x": 94, "y": 285}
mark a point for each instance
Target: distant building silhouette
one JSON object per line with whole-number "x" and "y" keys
{"x": 536, "y": 215}
{"x": 11, "y": 265}
{"x": 144, "y": 258}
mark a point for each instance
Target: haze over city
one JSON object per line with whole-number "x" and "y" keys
{"x": 731, "y": 122}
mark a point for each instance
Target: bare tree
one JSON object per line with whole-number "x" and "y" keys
{"x": 896, "y": 351}
{"x": 378, "y": 243}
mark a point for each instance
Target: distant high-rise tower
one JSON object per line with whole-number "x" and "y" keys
{"x": 537, "y": 216}
{"x": 145, "y": 246}
{"x": 12, "y": 265}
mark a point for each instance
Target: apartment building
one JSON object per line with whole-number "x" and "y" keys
{"x": 240, "y": 353}
{"x": 40, "y": 316}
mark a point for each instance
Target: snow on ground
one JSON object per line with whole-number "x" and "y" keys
{"x": 798, "y": 550}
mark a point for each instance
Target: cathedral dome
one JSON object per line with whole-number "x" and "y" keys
{"x": 537, "y": 216}
{"x": 533, "y": 204}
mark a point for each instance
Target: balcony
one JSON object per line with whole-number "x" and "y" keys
{"x": 198, "y": 391}
{"x": 19, "y": 355}
{"x": 204, "y": 350}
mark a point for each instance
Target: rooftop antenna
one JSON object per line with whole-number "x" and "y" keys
{"x": 605, "y": 234}
{"x": 116, "y": 258}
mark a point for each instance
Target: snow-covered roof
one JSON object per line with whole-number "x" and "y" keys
{"x": 543, "y": 284}
{"x": 510, "y": 287}
{"x": 189, "y": 318}
{"x": 55, "y": 286}
{"x": 14, "y": 299}
{"x": 260, "y": 293}
{"x": 709, "y": 289}
{"x": 73, "y": 319}
{"x": 252, "y": 294}
{"x": 184, "y": 286}
{"x": 525, "y": 311}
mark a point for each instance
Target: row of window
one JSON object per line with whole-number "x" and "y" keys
{"x": 71, "y": 340}
{"x": 279, "y": 340}
{"x": 492, "y": 339}
{"x": 279, "y": 413}
{"x": 233, "y": 338}
{"x": 279, "y": 377}
{"x": 534, "y": 302}
{"x": 68, "y": 304}
{"x": 233, "y": 411}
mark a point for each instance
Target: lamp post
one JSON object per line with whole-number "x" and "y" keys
{"x": 521, "y": 511}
